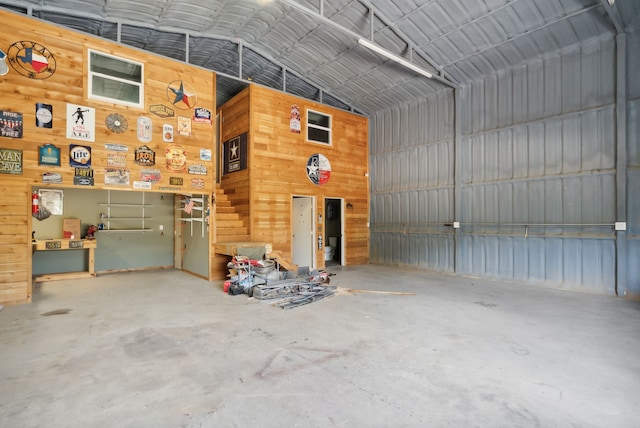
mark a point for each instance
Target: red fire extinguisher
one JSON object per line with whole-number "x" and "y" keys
{"x": 35, "y": 202}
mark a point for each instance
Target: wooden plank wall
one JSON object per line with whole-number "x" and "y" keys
{"x": 68, "y": 85}
{"x": 278, "y": 170}
{"x": 15, "y": 242}
{"x": 235, "y": 121}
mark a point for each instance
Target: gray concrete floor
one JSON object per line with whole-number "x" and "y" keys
{"x": 166, "y": 349}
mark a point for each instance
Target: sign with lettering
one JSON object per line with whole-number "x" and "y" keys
{"x": 10, "y": 161}
{"x": 53, "y": 245}
{"x": 81, "y": 122}
{"x": 76, "y": 244}
{"x": 79, "y": 156}
{"x": 10, "y": 124}
{"x": 49, "y": 155}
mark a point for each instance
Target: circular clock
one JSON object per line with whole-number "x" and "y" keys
{"x": 117, "y": 123}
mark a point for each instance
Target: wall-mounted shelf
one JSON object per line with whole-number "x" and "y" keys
{"x": 125, "y": 217}
{"x": 197, "y": 211}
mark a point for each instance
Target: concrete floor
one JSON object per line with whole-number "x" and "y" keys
{"x": 166, "y": 349}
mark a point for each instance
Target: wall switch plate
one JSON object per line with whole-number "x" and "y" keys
{"x": 161, "y": 227}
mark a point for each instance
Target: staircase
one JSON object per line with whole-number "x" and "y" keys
{"x": 229, "y": 226}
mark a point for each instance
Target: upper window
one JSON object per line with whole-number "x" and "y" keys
{"x": 318, "y": 127}
{"x": 116, "y": 79}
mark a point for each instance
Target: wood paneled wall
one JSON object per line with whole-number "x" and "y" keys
{"x": 68, "y": 84}
{"x": 278, "y": 170}
{"x": 235, "y": 119}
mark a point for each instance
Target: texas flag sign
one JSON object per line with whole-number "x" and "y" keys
{"x": 31, "y": 59}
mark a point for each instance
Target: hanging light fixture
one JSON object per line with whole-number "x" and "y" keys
{"x": 377, "y": 49}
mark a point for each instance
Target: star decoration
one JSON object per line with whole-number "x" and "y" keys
{"x": 181, "y": 94}
{"x": 234, "y": 151}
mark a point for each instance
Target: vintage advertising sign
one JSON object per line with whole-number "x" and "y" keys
{"x": 161, "y": 110}
{"x": 198, "y": 169}
{"x": 79, "y": 156}
{"x": 167, "y": 133}
{"x": 116, "y": 147}
{"x": 4, "y": 69}
{"x": 176, "y": 157}
{"x": 184, "y": 126}
{"x": 116, "y": 177}
{"x": 83, "y": 177}
{"x": 197, "y": 183}
{"x": 145, "y": 156}
{"x": 294, "y": 119}
{"x": 10, "y": 124}
{"x": 52, "y": 178}
{"x": 81, "y": 122}
{"x": 144, "y": 129}
{"x": 31, "y": 59}
{"x": 318, "y": 169}
{"x": 10, "y": 161}
{"x": 145, "y": 185}
{"x": 116, "y": 160}
{"x": 205, "y": 154}
{"x": 44, "y": 115}
{"x": 175, "y": 181}
{"x": 150, "y": 175}
{"x": 235, "y": 154}
{"x": 202, "y": 115}
{"x": 49, "y": 155}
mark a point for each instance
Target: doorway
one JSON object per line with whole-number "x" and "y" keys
{"x": 302, "y": 231}
{"x": 334, "y": 232}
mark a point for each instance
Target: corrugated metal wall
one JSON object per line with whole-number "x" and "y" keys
{"x": 412, "y": 162}
{"x": 633, "y": 166}
{"x": 536, "y": 179}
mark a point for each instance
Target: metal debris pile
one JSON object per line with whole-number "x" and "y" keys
{"x": 262, "y": 280}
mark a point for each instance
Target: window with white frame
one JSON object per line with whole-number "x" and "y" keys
{"x": 116, "y": 79}
{"x": 318, "y": 127}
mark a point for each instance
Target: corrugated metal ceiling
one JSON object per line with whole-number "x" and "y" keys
{"x": 310, "y": 48}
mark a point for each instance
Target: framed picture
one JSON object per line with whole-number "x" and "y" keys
{"x": 52, "y": 200}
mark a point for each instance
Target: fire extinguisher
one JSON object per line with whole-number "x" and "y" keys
{"x": 35, "y": 202}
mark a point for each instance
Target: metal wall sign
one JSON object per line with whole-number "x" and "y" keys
{"x": 10, "y": 161}
{"x": 79, "y": 156}
{"x": 318, "y": 169}
{"x": 10, "y": 124}
{"x": 31, "y": 59}
{"x": 49, "y": 155}
{"x": 235, "y": 154}
{"x": 81, "y": 122}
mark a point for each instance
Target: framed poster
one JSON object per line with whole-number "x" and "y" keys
{"x": 52, "y": 200}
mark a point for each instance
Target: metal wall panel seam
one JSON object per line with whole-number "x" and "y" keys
{"x": 621, "y": 162}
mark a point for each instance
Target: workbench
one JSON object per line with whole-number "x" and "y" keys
{"x": 64, "y": 244}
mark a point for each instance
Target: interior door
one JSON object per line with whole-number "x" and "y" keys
{"x": 302, "y": 231}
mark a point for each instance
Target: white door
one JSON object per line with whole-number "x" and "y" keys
{"x": 302, "y": 229}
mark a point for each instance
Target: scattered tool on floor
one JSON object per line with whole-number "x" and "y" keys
{"x": 263, "y": 280}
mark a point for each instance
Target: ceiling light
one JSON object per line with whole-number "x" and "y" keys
{"x": 367, "y": 44}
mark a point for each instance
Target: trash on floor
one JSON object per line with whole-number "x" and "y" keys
{"x": 263, "y": 280}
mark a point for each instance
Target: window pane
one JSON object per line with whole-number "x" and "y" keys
{"x": 319, "y": 119}
{"x": 116, "y": 90}
{"x": 116, "y": 67}
{"x": 319, "y": 135}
